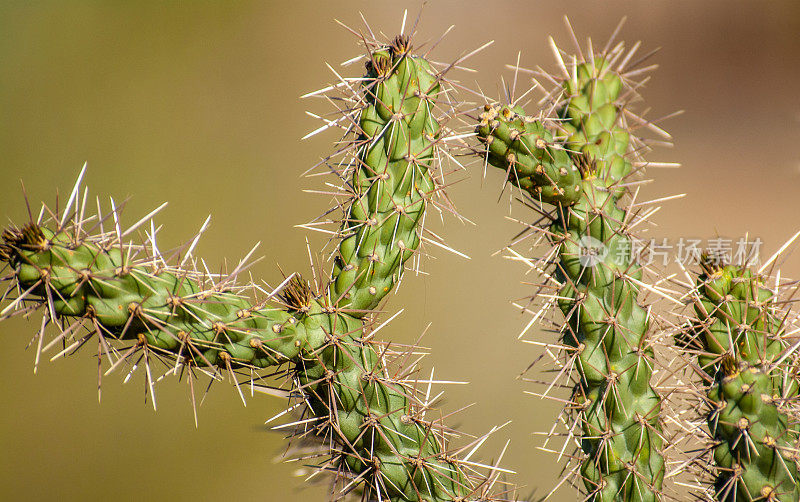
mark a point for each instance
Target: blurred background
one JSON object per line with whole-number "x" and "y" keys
{"x": 197, "y": 103}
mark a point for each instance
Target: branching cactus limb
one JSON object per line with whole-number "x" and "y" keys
{"x": 93, "y": 284}
{"x": 740, "y": 339}
{"x": 391, "y": 177}
{"x": 575, "y": 166}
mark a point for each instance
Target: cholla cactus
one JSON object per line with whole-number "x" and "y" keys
{"x": 575, "y": 165}
{"x": 357, "y": 397}
{"x": 85, "y": 277}
{"x": 740, "y": 340}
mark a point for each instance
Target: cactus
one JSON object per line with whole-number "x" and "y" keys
{"x": 391, "y": 177}
{"x": 739, "y": 337}
{"x": 138, "y": 306}
{"x": 579, "y": 161}
{"x": 357, "y": 397}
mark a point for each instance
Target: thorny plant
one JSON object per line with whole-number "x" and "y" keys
{"x": 740, "y": 342}
{"x": 578, "y": 165}
{"x": 363, "y": 401}
{"x": 633, "y": 401}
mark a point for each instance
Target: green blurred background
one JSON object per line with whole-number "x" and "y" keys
{"x": 197, "y": 103}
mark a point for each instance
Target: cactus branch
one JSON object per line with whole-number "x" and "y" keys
{"x": 358, "y": 397}
{"x": 739, "y": 337}
{"x": 578, "y": 160}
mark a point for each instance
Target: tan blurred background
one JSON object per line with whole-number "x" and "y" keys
{"x": 198, "y": 104}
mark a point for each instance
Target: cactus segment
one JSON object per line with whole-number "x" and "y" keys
{"x": 360, "y": 398}
{"x": 740, "y": 331}
{"x": 391, "y": 177}
{"x": 179, "y": 315}
{"x": 577, "y": 162}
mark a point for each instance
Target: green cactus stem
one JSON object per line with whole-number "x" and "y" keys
{"x": 391, "y": 177}
{"x": 739, "y": 332}
{"x": 578, "y": 162}
{"x": 138, "y": 306}
{"x": 175, "y": 314}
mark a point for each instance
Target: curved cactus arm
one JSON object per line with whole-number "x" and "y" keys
{"x": 140, "y": 308}
{"x": 358, "y": 396}
{"x": 391, "y": 176}
{"x": 740, "y": 338}
{"x": 576, "y": 166}
{"x": 390, "y": 171}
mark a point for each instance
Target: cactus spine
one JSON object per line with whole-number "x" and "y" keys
{"x": 580, "y": 170}
{"x": 374, "y": 423}
{"x": 739, "y": 337}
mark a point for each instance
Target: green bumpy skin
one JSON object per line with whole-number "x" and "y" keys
{"x": 619, "y": 409}
{"x": 756, "y": 442}
{"x": 171, "y": 313}
{"x": 391, "y": 178}
{"x": 369, "y": 417}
